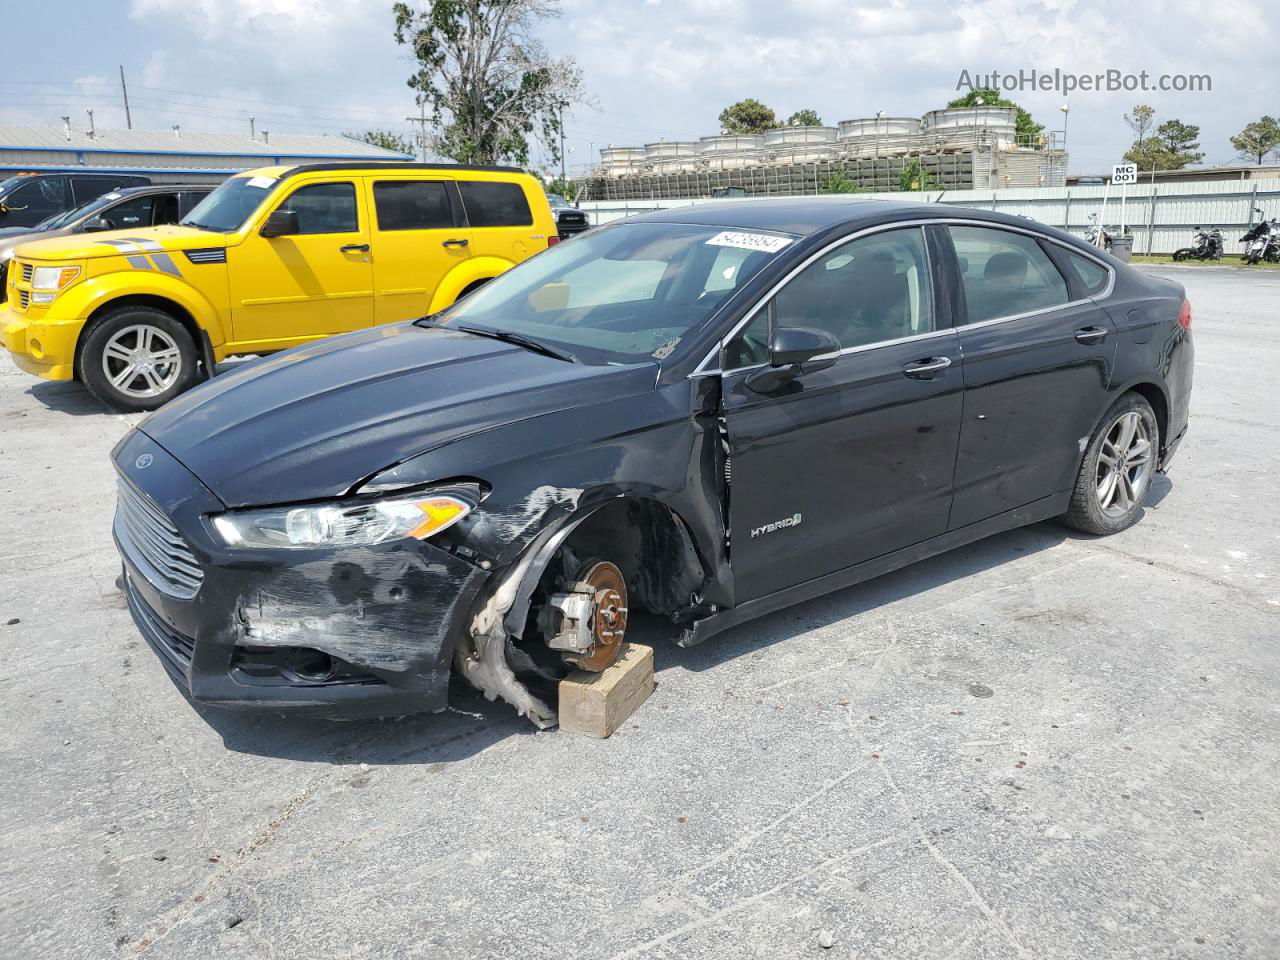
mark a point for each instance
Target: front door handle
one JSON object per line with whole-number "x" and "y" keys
{"x": 925, "y": 369}
{"x": 1091, "y": 334}
{"x": 456, "y": 242}
{"x": 355, "y": 248}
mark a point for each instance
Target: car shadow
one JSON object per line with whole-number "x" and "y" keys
{"x": 853, "y": 602}
{"x": 469, "y": 726}
{"x": 67, "y": 396}
{"x": 71, "y": 397}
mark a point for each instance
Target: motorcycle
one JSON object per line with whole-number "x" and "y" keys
{"x": 1098, "y": 235}
{"x": 1208, "y": 246}
{"x": 1262, "y": 242}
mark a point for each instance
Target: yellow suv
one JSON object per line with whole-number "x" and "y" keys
{"x": 272, "y": 258}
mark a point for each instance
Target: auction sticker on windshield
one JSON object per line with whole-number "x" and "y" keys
{"x": 261, "y": 182}
{"x": 764, "y": 242}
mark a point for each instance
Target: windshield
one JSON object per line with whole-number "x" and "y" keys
{"x": 62, "y": 219}
{"x": 621, "y": 294}
{"x": 228, "y": 207}
{"x": 556, "y": 201}
{"x": 7, "y": 185}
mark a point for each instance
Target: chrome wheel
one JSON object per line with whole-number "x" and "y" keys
{"x": 1125, "y": 462}
{"x": 141, "y": 361}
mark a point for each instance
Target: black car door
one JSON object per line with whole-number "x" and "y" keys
{"x": 1038, "y": 355}
{"x": 854, "y": 461}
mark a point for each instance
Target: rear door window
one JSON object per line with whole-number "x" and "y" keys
{"x": 412, "y": 205}
{"x": 1005, "y": 273}
{"x": 1093, "y": 276}
{"x": 495, "y": 204}
{"x": 165, "y": 209}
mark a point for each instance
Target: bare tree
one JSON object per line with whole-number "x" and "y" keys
{"x": 487, "y": 82}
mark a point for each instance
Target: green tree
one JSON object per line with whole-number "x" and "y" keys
{"x": 1180, "y": 142}
{"x": 1028, "y": 130}
{"x": 804, "y": 118}
{"x": 839, "y": 182}
{"x": 488, "y": 82}
{"x": 562, "y": 188}
{"x": 914, "y": 177}
{"x": 1258, "y": 139}
{"x": 1140, "y": 120}
{"x": 747, "y": 116}
{"x": 386, "y": 139}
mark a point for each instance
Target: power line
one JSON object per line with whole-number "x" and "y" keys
{"x": 79, "y": 88}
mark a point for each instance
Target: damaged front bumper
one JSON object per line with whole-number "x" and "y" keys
{"x": 362, "y": 631}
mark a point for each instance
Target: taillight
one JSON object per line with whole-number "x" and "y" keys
{"x": 1184, "y": 315}
{"x": 552, "y": 240}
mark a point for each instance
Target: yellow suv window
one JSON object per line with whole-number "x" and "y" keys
{"x": 325, "y": 208}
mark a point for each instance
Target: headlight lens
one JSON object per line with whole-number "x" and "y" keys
{"x": 342, "y": 525}
{"x": 53, "y": 278}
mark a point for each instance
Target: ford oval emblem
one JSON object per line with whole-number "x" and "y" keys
{"x": 143, "y": 461}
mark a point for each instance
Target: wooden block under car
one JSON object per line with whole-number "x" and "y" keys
{"x": 596, "y": 704}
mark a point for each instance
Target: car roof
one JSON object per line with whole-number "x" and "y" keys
{"x": 806, "y": 216}
{"x": 161, "y": 188}
{"x": 292, "y": 170}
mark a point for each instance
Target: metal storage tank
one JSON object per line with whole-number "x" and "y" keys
{"x": 666, "y": 149}
{"x": 801, "y": 152}
{"x": 789, "y": 135}
{"x": 621, "y": 161}
{"x": 967, "y": 124}
{"x": 729, "y": 143}
{"x": 872, "y": 127}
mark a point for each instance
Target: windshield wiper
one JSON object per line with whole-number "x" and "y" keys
{"x": 520, "y": 340}
{"x": 198, "y": 225}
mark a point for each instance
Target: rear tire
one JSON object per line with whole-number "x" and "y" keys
{"x": 137, "y": 358}
{"x": 1115, "y": 474}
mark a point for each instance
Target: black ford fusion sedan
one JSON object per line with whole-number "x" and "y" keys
{"x": 708, "y": 413}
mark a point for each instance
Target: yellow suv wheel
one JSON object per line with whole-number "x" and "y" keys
{"x": 137, "y": 358}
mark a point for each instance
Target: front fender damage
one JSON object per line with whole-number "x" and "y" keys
{"x": 484, "y": 654}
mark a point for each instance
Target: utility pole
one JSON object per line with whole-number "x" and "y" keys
{"x": 91, "y": 131}
{"x": 421, "y": 121}
{"x": 563, "y": 177}
{"x": 251, "y": 130}
{"x": 124, "y": 92}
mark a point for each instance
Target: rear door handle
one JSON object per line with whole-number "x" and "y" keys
{"x": 1091, "y": 334}
{"x": 925, "y": 369}
{"x": 355, "y": 248}
{"x": 463, "y": 242}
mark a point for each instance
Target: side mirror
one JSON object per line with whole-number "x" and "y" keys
{"x": 94, "y": 224}
{"x": 793, "y": 352}
{"x": 281, "y": 223}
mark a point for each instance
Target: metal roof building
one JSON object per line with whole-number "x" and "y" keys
{"x": 175, "y": 156}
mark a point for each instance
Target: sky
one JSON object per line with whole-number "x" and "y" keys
{"x": 653, "y": 69}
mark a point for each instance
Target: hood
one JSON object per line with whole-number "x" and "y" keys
{"x": 315, "y": 421}
{"x": 86, "y": 246}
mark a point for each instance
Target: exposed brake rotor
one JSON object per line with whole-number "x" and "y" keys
{"x": 609, "y": 618}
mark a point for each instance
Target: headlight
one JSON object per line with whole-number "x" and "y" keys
{"x": 343, "y": 525}
{"x": 53, "y": 278}
{"x": 47, "y": 281}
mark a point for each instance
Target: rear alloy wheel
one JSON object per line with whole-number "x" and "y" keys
{"x": 1117, "y": 469}
{"x": 137, "y": 358}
